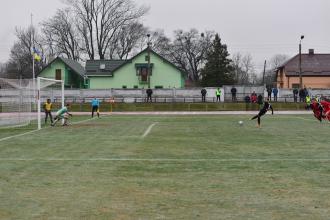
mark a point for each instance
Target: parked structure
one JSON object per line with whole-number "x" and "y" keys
{"x": 315, "y": 71}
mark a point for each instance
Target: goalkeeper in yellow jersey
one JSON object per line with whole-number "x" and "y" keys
{"x": 48, "y": 111}
{"x": 63, "y": 113}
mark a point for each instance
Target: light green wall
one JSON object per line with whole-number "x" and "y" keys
{"x": 70, "y": 78}
{"x": 163, "y": 74}
{"x": 50, "y": 71}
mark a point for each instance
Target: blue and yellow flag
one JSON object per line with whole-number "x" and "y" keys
{"x": 36, "y": 55}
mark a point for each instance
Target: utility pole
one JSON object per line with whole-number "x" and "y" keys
{"x": 300, "y": 68}
{"x": 263, "y": 76}
{"x": 149, "y": 72}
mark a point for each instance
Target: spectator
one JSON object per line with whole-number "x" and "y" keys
{"x": 233, "y": 94}
{"x": 149, "y": 94}
{"x": 218, "y": 94}
{"x": 260, "y": 99}
{"x": 247, "y": 99}
{"x": 295, "y": 94}
{"x": 306, "y": 92}
{"x": 253, "y": 97}
{"x": 302, "y": 95}
{"x": 275, "y": 93}
{"x": 203, "y": 92}
{"x": 269, "y": 93}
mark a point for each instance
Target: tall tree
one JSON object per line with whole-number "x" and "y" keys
{"x": 189, "y": 50}
{"x": 99, "y": 22}
{"x": 20, "y": 62}
{"x": 60, "y": 35}
{"x": 243, "y": 68}
{"x": 218, "y": 70}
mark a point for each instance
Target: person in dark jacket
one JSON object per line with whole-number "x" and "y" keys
{"x": 267, "y": 106}
{"x": 149, "y": 94}
{"x": 233, "y": 94}
{"x": 269, "y": 93}
{"x": 302, "y": 95}
{"x": 295, "y": 94}
{"x": 203, "y": 92}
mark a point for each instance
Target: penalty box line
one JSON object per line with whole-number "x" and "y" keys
{"x": 34, "y": 131}
{"x": 166, "y": 160}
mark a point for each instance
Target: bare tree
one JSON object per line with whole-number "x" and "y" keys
{"x": 126, "y": 40}
{"x": 99, "y": 22}
{"x": 20, "y": 62}
{"x": 277, "y": 60}
{"x": 189, "y": 50}
{"x": 60, "y": 35}
{"x": 244, "y": 68}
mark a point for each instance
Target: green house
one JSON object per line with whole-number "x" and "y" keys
{"x": 68, "y": 70}
{"x": 134, "y": 73}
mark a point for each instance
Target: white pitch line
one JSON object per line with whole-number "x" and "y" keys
{"x": 30, "y": 132}
{"x": 18, "y": 135}
{"x": 167, "y": 160}
{"x": 148, "y": 130}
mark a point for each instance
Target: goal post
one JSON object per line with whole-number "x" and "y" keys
{"x": 43, "y": 83}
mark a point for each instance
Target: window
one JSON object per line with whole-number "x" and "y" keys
{"x": 295, "y": 86}
{"x": 136, "y": 87}
{"x": 159, "y": 87}
{"x": 124, "y": 87}
{"x": 58, "y": 74}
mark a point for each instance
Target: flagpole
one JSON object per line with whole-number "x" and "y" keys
{"x": 32, "y": 52}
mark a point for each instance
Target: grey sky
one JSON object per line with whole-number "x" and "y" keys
{"x": 262, "y": 28}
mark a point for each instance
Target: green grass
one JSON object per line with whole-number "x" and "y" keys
{"x": 187, "y": 167}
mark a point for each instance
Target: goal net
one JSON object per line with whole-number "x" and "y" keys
{"x": 17, "y": 102}
{"x": 22, "y": 101}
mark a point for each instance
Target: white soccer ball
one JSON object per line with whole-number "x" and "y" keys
{"x": 240, "y": 123}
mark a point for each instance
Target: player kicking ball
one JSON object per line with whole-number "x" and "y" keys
{"x": 63, "y": 113}
{"x": 263, "y": 111}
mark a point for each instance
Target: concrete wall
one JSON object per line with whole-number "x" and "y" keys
{"x": 178, "y": 95}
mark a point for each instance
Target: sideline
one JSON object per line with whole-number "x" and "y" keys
{"x": 170, "y": 160}
{"x": 148, "y": 130}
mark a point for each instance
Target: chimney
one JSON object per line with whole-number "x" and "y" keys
{"x": 311, "y": 52}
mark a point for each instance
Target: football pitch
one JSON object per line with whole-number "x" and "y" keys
{"x": 168, "y": 167}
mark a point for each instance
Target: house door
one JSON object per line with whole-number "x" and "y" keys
{"x": 58, "y": 75}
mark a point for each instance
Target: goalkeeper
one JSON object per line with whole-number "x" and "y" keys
{"x": 63, "y": 113}
{"x": 95, "y": 107}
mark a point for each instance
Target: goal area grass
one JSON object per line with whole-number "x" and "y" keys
{"x": 167, "y": 167}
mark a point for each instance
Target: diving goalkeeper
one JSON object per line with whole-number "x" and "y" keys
{"x": 63, "y": 113}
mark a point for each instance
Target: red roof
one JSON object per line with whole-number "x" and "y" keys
{"x": 311, "y": 65}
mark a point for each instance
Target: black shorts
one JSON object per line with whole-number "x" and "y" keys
{"x": 262, "y": 112}
{"x": 95, "y": 109}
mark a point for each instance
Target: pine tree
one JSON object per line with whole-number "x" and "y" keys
{"x": 218, "y": 68}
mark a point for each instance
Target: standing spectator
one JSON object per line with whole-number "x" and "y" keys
{"x": 254, "y": 97}
{"x": 306, "y": 92}
{"x": 295, "y": 94}
{"x": 218, "y": 94}
{"x": 301, "y": 95}
{"x": 260, "y": 99}
{"x": 269, "y": 93}
{"x": 149, "y": 94}
{"x": 95, "y": 107}
{"x": 203, "y": 92}
{"x": 233, "y": 94}
{"x": 48, "y": 111}
{"x": 275, "y": 93}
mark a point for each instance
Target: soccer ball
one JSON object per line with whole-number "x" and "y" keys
{"x": 240, "y": 123}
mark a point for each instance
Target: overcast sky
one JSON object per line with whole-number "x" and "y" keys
{"x": 262, "y": 28}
